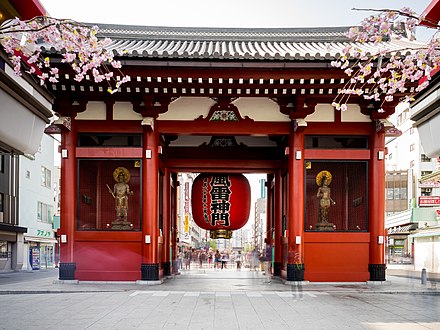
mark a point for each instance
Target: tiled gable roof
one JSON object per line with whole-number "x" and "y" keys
{"x": 233, "y": 43}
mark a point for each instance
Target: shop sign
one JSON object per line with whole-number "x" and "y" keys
{"x": 43, "y": 233}
{"x": 34, "y": 257}
{"x": 429, "y": 200}
{"x": 435, "y": 184}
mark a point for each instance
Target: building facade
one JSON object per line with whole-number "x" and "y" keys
{"x": 36, "y": 191}
{"x": 412, "y": 192}
{"x": 24, "y": 111}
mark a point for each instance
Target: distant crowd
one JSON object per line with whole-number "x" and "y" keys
{"x": 218, "y": 259}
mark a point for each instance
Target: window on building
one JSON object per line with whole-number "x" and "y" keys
{"x": 405, "y": 115}
{"x": 396, "y": 190}
{"x": 411, "y": 164}
{"x": 2, "y": 203}
{"x": 411, "y": 130}
{"x": 423, "y": 173}
{"x": 28, "y": 174}
{"x": 4, "y": 253}
{"x": 412, "y": 147}
{"x": 426, "y": 191}
{"x": 2, "y": 163}
{"x": 46, "y": 177}
{"x": 424, "y": 158}
{"x": 44, "y": 212}
{"x": 390, "y": 193}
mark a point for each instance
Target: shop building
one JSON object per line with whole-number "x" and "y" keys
{"x": 25, "y": 109}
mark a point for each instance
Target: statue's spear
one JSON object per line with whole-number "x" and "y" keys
{"x": 111, "y": 191}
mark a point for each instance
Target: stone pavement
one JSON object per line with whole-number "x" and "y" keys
{"x": 209, "y": 299}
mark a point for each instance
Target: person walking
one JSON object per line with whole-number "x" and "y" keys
{"x": 188, "y": 258}
{"x": 238, "y": 260}
{"x": 210, "y": 258}
{"x": 217, "y": 258}
{"x": 179, "y": 259}
{"x": 268, "y": 263}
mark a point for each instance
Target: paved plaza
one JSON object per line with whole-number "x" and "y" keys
{"x": 209, "y": 299}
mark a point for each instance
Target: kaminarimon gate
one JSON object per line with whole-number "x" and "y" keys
{"x": 208, "y": 100}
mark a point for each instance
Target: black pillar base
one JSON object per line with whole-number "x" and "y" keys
{"x": 150, "y": 272}
{"x": 166, "y": 268}
{"x": 377, "y": 272}
{"x": 67, "y": 270}
{"x": 295, "y": 272}
{"x": 277, "y": 268}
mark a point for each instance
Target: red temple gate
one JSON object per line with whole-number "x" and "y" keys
{"x": 204, "y": 101}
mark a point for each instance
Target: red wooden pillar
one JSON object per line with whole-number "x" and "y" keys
{"x": 166, "y": 222}
{"x": 295, "y": 264}
{"x": 277, "y": 205}
{"x": 150, "y": 211}
{"x": 68, "y": 192}
{"x": 376, "y": 207}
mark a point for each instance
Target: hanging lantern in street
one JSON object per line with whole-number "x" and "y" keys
{"x": 221, "y": 203}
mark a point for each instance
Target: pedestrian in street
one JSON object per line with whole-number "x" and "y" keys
{"x": 201, "y": 257}
{"x": 217, "y": 258}
{"x": 224, "y": 259}
{"x": 238, "y": 260}
{"x": 268, "y": 263}
{"x": 210, "y": 258}
{"x": 179, "y": 259}
{"x": 188, "y": 258}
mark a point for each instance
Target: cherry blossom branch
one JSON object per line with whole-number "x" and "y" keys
{"x": 78, "y": 44}
{"x": 402, "y": 14}
{"x": 395, "y": 68}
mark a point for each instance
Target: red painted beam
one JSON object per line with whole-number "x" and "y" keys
{"x": 431, "y": 14}
{"x": 220, "y": 165}
{"x": 28, "y": 8}
{"x": 219, "y": 128}
{"x": 352, "y": 154}
{"x": 108, "y": 152}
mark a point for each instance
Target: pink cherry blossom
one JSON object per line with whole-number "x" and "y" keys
{"x": 27, "y": 41}
{"x": 386, "y": 72}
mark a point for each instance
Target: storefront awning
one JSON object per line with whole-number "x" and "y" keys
{"x": 35, "y": 239}
{"x": 426, "y": 114}
{"x": 427, "y": 233}
{"x": 24, "y": 113}
{"x": 431, "y": 179}
{"x": 402, "y": 229}
{"x": 423, "y": 214}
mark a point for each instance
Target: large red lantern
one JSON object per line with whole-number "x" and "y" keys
{"x": 221, "y": 203}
